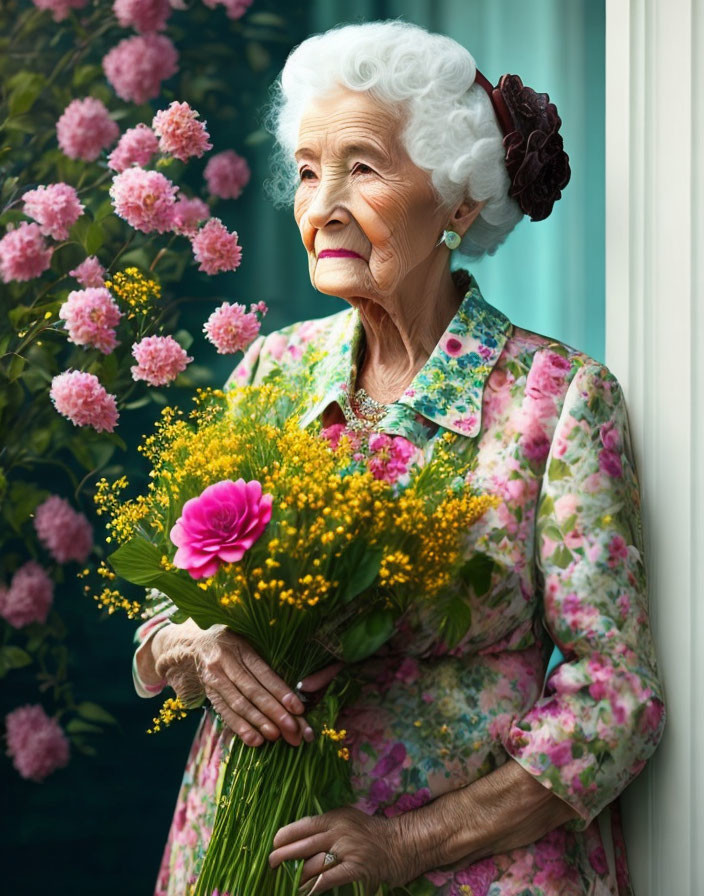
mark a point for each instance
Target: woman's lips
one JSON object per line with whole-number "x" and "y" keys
{"x": 338, "y": 253}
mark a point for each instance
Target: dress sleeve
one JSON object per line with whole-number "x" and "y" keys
{"x": 162, "y": 607}
{"x": 602, "y": 712}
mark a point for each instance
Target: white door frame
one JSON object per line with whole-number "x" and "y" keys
{"x": 654, "y": 346}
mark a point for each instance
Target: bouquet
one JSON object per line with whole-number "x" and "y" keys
{"x": 311, "y": 545}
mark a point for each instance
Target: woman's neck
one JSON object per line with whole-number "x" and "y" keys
{"x": 401, "y": 334}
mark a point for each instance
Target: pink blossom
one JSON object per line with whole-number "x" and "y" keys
{"x": 333, "y": 434}
{"x": 231, "y": 328}
{"x": 36, "y": 742}
{"x": 56, "y": 208}
{"x": 478, "y": 878}
{"x": 453, "y": 346}
{"x": 160, "y": 359}
{"x": 142, "y": 15}
{"x": 29, "y": 597}
{"x": 610, "y": 462}
{"x": 216, "y": 248}
{"x": 227, "y": 174}
{"x": 137, "y": 65}
{"x": 180, "y": 134}
{"x": 60, "y": 8}
{"x": 89, "y": 272}
{"x": 23, "y": 253}
{"x": 63, "y": 531}
{"x": 547, "y": 374}
{"x": 389, "y": 456}
{"x": 145, "y": 199}
{"x": 80, "y": 397}
{"x": 135, "y": 147}
{"x": 85, "y": 129}
{"x": 188, "y": 213}
{"x": 235, "y": 9}
{"x": 91, "y": 316}
{"x": 220, "y": 525}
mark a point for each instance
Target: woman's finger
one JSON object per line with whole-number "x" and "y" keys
{"x": 298, "y": 830}
{"x": 243, "y": 707}
{"x": 233, "y": 721}
{"x": 264, "y": 674}
{"x": 267, "y": 705}
{"x": 319, "y": 679}
{"x": 301, "y": 849}
{"x": 323, "y": 882}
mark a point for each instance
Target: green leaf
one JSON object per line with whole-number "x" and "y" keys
{"x": 14, "y": 657}
{"x": 362, "y": 567}
{"x": 457, "y": 617}
{"x": 184, "y": 339}
{"x": 15, "y": 367}
{"x": 558, "y": 469}
{"x": 94, "y": 238}
{"x": 138, "y": 562}
{"x": 95, "y": 713}
{"x": 77, "y": 726}
{"x": 26, "y": 93}
{"x": 477, "y": 573}
{"x": 562, "y": 557}
{"x": 366, "y": 636}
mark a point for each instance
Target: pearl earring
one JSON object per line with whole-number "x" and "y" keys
{"x": 450, "y": 238}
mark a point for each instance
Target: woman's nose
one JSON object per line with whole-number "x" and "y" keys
{"x": 329, "y": 203}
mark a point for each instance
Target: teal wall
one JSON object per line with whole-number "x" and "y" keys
{"x": 549, "y": 275}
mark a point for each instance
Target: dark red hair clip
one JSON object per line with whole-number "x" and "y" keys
{"x": 534, "y": 153}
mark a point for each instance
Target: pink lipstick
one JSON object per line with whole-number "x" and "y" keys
{"x": 338, "y": 253}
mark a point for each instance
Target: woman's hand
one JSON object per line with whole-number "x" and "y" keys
{"x": 252, "y": 700}
{"x": 369, "y": 849}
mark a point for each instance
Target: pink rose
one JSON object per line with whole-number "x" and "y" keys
{"x": 220, "y": 525}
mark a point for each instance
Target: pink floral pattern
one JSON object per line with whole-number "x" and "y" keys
{"x": 560, "y": 561}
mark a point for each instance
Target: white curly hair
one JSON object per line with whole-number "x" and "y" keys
{"x": 450, "y": 128}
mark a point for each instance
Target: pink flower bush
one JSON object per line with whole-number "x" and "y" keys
{"x": 64, "y": 532}
{"x": 135, "y": 147}
{"x": 389, "y": 457}
{"x": 142, "y": 15}
{"x": 29, "y": 597}
{"x": 231, "y": 328}
{"x": 89, "y": 272}
{"x": 137, "y": 65}
{"x": 85, "y": 129}
{"x": 145, "y": 199}
{"x": 235, "y": 9}
{"x": 220, "y": 525}
{"x": 60, "y": 8}
{"x": 91, "y": 316}
{"x": 160, "y": 359}
{"x": 80, "y": 397}
{"x": 215, "y": 248}
{"x": 36, "y": 743}
{"x": 188, "y": 213}
{"x": 226, "y": 174}
{"x": 180, "y": 134}
{"x": 23, "y": 253}
{"x": 56, "y": 208}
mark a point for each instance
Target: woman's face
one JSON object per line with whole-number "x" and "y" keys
{"x": 369, "y": 218}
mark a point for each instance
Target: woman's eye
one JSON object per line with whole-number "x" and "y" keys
{"x": 361, "y": 168}
{"x": 306, "y": 174}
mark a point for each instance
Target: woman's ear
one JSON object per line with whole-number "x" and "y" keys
{"x": 465, "y": 215}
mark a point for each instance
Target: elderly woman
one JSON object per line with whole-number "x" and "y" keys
{"x": 476, "y": 770}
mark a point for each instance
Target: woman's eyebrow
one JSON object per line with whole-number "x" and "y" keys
{"x": 355, "y": 147}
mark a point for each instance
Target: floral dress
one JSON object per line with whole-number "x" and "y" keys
{"x": 559, "y": 561}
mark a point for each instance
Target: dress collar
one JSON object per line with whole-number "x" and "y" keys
{"x": 447, "y": 390}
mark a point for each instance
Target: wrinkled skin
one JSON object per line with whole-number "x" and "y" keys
{"x": 253, "y": 701}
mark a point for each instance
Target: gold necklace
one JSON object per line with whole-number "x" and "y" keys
{"x": 361, "y": 410}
